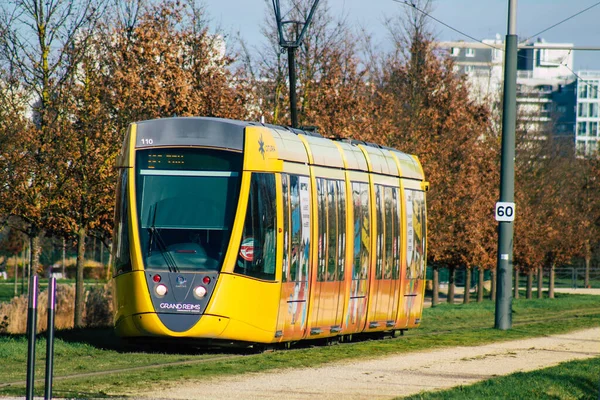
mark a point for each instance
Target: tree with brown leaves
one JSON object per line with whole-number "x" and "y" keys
{"x": 36, "y": 49}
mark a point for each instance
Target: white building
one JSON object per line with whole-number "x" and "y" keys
{"x": 588, "y": 102}
{"x": 483, "y": 63}
{"x": 545, "y": 81}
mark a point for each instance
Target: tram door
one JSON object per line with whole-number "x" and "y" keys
{"x": 354, "y": 320}
{"x": 291, "y": 323}
{"x": 412, "y": 302}
{"x": 327, "y": 300}
{"x": 385, "y": 293}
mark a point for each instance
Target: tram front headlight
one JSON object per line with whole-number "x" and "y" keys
{"x": 160, "y": 290}
{"x": 199, "y": 292}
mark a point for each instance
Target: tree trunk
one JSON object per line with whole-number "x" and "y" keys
{"x": 16, "y": 275}
{"x": 540, "y": 282}
{"x": 467, "y": 296}
{"x": 79, "y": 289}
{"x": 480, "y": 283}
{"x": 34, "y": 254}
{"x": 551, "y": 284}
{"x": 493, "y": 291}
{"x": 529, "y": 284}
{"x": 64, "y": 258}
{"x": 23, "y": 253}
{"x": 588, "y": 259}
{"x": 451, "y": 285}
{"x": 435, "y": 296}
{"x": 109, "y": 266}
{"x": 516, "y": 284}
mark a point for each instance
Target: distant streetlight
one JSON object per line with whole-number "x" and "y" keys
{"x": 291, "y": 45}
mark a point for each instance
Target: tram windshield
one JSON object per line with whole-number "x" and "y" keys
{"x": 186, "y": 204}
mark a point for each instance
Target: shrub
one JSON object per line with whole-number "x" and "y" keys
{"x": 98, "y": 309}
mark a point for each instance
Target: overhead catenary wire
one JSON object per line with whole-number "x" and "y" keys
{"x": 410, "y": 4}
{"x": 564, "y": 20}
{"x": 406, "y": 3}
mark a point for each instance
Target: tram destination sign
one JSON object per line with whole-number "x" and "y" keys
{"x": 505, "y": 211}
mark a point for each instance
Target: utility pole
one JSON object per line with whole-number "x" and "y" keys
{"x": 292, "y": 73}
{"x": 505, "y": 208}
{"x": 291, "y": 45}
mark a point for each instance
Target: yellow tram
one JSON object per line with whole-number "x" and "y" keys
{"x": 245, "y": 232}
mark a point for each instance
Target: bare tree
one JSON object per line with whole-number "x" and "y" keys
{"x": 36, "y": 45}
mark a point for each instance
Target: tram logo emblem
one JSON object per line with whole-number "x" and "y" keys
{"x": 181, "y": 281}
{"x": 261, "y": 146}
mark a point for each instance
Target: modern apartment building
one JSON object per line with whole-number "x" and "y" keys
{"x": 546, "y": 85}
{"x": 588, "y": 117}
{"x": 483, "y": 63}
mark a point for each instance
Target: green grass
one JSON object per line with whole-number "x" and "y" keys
{"x": 7, "y": 290}
{"x": 98, "y": 350}
{"x": 569, "y": 380}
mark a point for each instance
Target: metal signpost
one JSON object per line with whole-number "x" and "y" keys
{"x": 31, "y": 332}
{"x": 505, "y": 209}
{"x": 31, "y": 336}
{"x": 50, "y": 338}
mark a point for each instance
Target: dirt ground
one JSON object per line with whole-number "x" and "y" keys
{"x": 393, "y": 376}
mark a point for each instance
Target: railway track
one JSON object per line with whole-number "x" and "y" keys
{"x": 521, "y": 321}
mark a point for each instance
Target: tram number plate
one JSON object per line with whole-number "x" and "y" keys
{"x": 505, "y": 211}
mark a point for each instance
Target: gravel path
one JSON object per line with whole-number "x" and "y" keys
{"x": 393, "y": 376}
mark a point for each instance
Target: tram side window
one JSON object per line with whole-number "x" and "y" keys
{"x": 396, "y": 221}
{"x": 322, "y": 228}
{"x": 285, "y": 187}
{"x": 332, "y": 228}
{"x": 300, "y": 227}
{"x": 379, "y": 250}
{"x": 416, "y": 231}
{"x": 122, "y": 258}
{"x": 341, "y": 229}
{"x": 256, "y": 257}
{"x": 389, "y": 233}
{"x": 362, "y": 230}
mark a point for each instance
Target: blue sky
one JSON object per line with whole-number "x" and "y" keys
{"x": 481, "y": 19}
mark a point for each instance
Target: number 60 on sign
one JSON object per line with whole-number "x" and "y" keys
{"x": 505, "y": 211}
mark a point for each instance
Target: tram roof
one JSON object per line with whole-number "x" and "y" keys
{"x": 296, "y": 145}
{"x": 192, "y": 131}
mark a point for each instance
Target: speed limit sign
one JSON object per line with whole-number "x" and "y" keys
{"x": 505, "y": 211}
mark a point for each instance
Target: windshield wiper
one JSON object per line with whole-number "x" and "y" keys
{"x": 169, "y": 260}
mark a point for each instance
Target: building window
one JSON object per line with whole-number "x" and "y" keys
{"x": 593, "y": 131}
{"x": 593, "y": 89}
{"x": 581, "y": 129}
{"x": 580, "y": 148}
{"x": 454, "y": 51}
{"x": 561, "y": 109}
{"x": 593, "y": 110}
{"x": 470, "y": 52}
{"x": 582, "y": 110}
{"x": 469, "y": 69}
{"x": 583, "y": 90}
{"x": 496, "y": 54}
